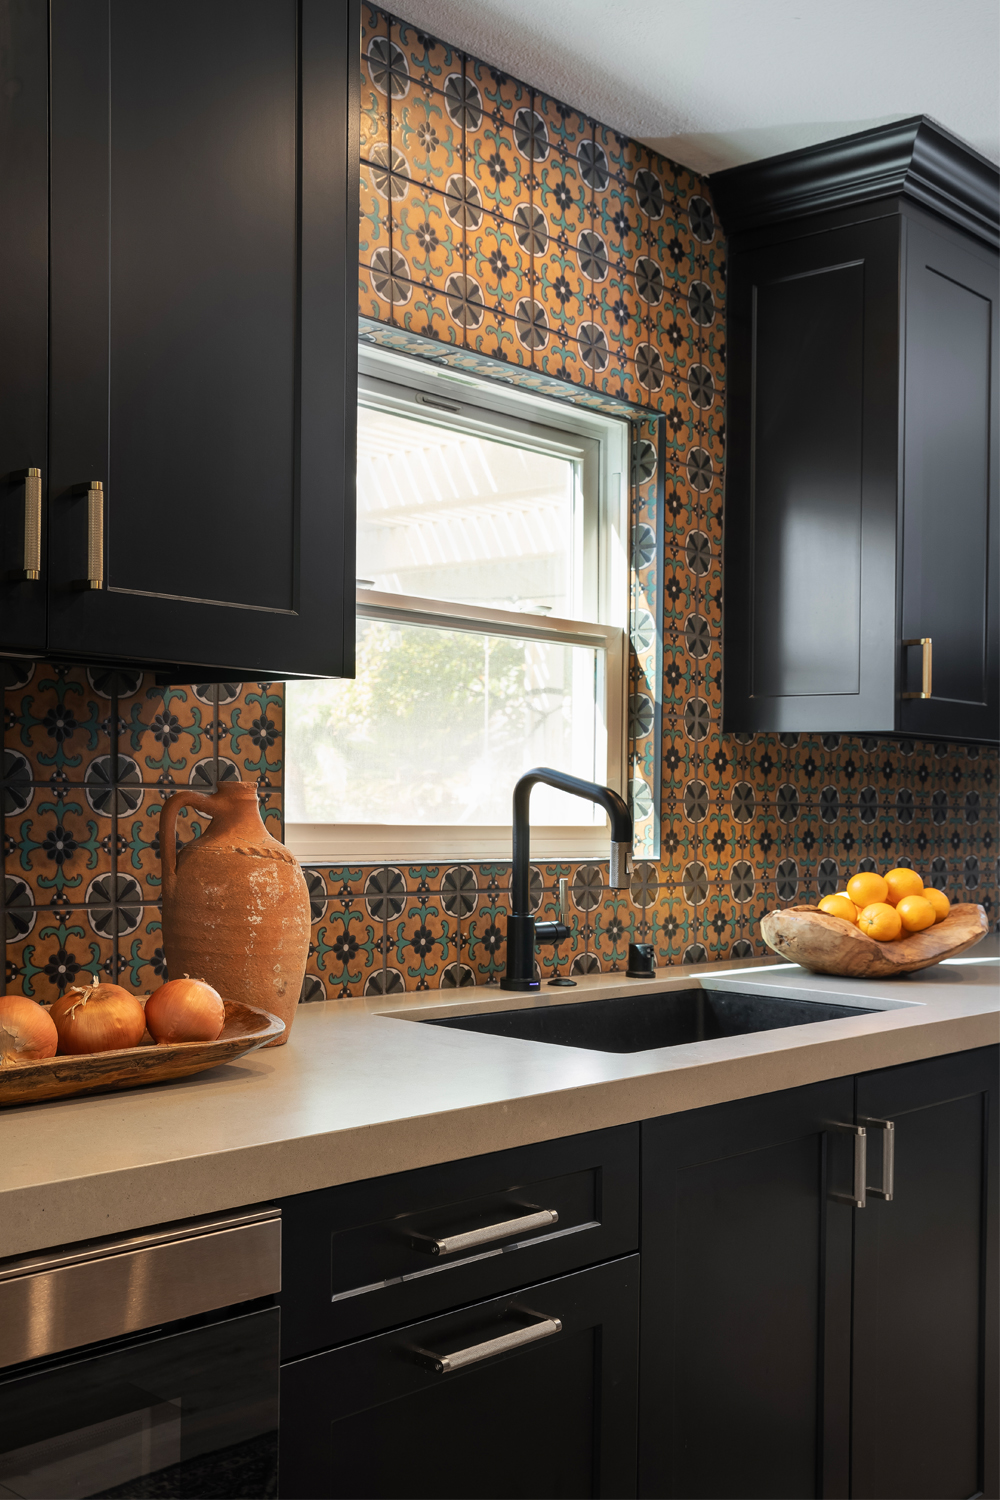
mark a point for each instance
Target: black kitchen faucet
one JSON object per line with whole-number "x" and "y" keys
{"x": 523, "y": 932}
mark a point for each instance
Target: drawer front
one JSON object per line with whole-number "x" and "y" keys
{"x": 380, "y": 1253}
{"x": 531, "y": 1394}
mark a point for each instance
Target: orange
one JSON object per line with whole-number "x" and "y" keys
{"x": 839, "y": 906}
{"x": 939, "y": 901}
{"x": 867, "y": 887}
{"x": 880, "y": 921}
{"x": 902, "y": 882}
{"x": 915, "y": 913}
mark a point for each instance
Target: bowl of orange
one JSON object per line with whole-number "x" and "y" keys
{"x": 876, "y": 927}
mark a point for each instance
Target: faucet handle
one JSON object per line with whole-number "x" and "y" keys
{"x": 620, "y": 866}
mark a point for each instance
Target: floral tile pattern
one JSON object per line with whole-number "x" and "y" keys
{"x": 505, "y": 233}
{"x": 88, "y": 757}
{"x": 600, "y": 266}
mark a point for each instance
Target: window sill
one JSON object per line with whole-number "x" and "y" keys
{"x": 374, "y": 844}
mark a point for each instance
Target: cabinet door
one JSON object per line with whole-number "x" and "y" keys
{"x": 203, "y": 333}
{"x": 925, "y": 1392}
{"x": 24, "y": 228}
{"x": 553, "y": 1417}
{"x": 811, "y": 473}
{"x": 746, "y": 1296}
{"x": 951, "y": 510}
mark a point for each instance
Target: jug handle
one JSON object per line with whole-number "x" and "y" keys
{"x": 168, "y": 824}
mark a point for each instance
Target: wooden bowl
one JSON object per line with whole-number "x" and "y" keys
{"x": 829, "y": 945}
{"x": 245, "y": 1029}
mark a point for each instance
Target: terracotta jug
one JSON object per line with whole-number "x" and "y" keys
{"x": 235, "y": 903}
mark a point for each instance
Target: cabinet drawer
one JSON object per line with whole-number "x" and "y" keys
{"x": 552, "y": 1415}
{"x": 375, "y": 1254}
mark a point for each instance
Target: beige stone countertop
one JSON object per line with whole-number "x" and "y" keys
{"x": 360, "y": 1091}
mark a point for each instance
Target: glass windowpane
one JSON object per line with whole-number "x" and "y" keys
{"x": 450, "y": 515}
{"x": 439, "y": 724}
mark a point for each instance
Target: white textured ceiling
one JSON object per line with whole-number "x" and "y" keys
{"x": 711, "y": 83}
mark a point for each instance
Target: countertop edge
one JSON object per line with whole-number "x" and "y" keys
{"x": 53, "y": 1213}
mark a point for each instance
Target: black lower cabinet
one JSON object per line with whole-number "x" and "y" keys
{"x": 925, "y": 1396}
{"x": 793, "y": 1344}
{"x": 367, "y": 1256}
{"x": 796, "y": 1332}
{"x": 556, "y": 1416}
{"x": 746, "y": 1297}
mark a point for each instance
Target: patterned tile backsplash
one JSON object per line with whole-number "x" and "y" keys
{"x": 748, "y": 822}
{"x": 497, "y": 220}
{"x": 499, "y": 223}
{"x": 88, "y": 757}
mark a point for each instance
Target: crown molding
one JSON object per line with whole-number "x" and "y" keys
{"x": 916, "y": 159}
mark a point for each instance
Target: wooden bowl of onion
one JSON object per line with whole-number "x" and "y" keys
{"x": 103, "y": 1037}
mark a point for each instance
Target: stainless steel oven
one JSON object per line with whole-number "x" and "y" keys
{"x": 144, "y": 1364}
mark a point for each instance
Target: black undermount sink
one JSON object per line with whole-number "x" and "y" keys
{"x": 638, "y": 1023}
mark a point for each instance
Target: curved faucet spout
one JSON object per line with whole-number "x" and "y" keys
{"x": 521, "y": 935}
{"x": 614, "y": 806}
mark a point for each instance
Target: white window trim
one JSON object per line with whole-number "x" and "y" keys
{"x": 367, "y": 843}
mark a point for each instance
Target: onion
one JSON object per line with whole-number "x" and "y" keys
{"x": 101, "y": 1018}
{"x": 185, "y": 1010}
{"x": 27, "y": 1031}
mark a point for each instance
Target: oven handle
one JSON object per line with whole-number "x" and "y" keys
{"x": 105, "y": 1288}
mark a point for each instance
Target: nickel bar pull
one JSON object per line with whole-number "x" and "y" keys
{"x": 925, "y": 643}
{"x": 856, "y": 1198}
{"x": 888, "y": 1130}
{"x": 486, "y": 1235}
{"x": 444, "y": 1363}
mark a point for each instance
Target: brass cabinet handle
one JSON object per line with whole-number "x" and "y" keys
{"x": 32, "y": 523}
{"x": 888, "y": 1130}
{"x": 925, "y": 643}
{"x": 94, "y": 492}
{"x": 489, "y": 1232}
{"x": 31, "y": 551}
{"x": 443, "y": 1363}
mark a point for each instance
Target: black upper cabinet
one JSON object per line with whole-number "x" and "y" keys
{"x": 24, "y": 230}
{"x": 949, "y": 589}
{"x": 201, "y": 341}
{"x": 861, "y": 492}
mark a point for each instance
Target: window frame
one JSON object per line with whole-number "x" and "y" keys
{"x": 461, "y": 402}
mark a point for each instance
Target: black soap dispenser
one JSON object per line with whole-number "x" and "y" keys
{"x": 641, "y": 961}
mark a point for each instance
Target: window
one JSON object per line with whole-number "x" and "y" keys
{"x": 492, "y": 595}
